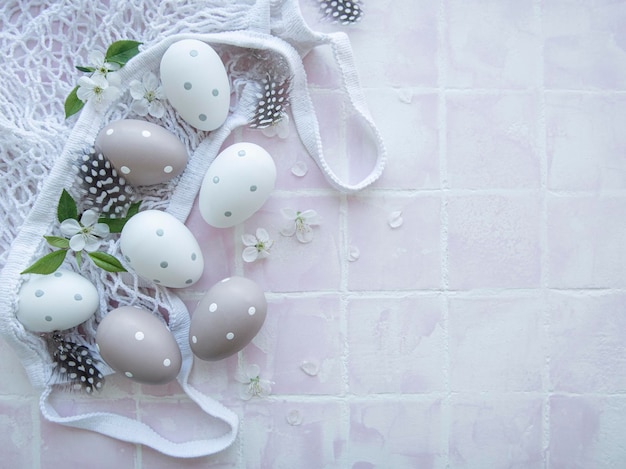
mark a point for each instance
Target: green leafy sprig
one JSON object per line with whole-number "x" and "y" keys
{"x": 120, "y": 52}
{"x": 67, "y": 209}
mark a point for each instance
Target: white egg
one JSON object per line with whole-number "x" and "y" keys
{"x": 237, "y": 184}
{"x": 160, "y": 248}
{"x": 195, "y": 83}
{"x": 57, "y": 301}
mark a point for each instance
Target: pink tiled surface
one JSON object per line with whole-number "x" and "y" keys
{"x": 488, "y": 330}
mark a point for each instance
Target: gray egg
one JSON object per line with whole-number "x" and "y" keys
{"x": 227, "y": 318}
{"x": 142, "y": 152}
{"x": 138, "y": 345}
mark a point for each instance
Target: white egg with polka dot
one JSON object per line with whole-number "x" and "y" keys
{"x": 57, "y": 301}
{"x": 236, "y": 185}
{"x": 160, "y": 248}
{"x": 195, "y": 83}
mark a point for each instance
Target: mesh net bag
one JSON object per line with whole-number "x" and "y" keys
{"x": 39, "y": 150}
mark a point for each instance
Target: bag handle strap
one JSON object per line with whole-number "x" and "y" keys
{"x": 134, "y": 431}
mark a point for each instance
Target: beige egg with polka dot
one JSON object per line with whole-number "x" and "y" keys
{"x": 160, "y": 248}
{"x": 57, "y": 301}
{"x": 227, "y": 318}
{"x": 138, "y": 345}
{"x": 142, "y": 152}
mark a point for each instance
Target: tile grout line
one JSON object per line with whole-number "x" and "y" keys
{"x": 544, "y": 267}
{"x": 446, "y": 406}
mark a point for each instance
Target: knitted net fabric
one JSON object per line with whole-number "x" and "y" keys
{"x": 42, "y": 42}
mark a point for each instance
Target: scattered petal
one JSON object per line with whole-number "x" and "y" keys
{"x": 294, "y": 418}
{"x": 299, "y": 169}
{"x": 310, "y": 368}
{"x": 405, "y": 95}
{"x": 353, "y": 253}
{"x": 395, "y": 219}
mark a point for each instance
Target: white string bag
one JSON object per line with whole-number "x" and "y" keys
{"x": 41, "y": 48}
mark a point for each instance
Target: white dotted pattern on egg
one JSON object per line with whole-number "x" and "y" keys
{"x": 195, "y": 83}
{"x": 237, "y": 184}
{"x": 57, "y": 301}
{"x": 134, "y": 342}
{"x": 143, "y": 152}
{"x": 160, "y": 248}
{"x": 227, "y": 318}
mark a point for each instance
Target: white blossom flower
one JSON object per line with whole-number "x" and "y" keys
{"x": 254, "y": 386}
{"x": 100, "y": 65}
{"x": 257, "y": 247}
{"x": 300, "y": 225}
{"x": 88, "y": 234}
{"x": 147, "y": 95}
{"x": 98, "y": 88}
{"x": 280, "y": 129}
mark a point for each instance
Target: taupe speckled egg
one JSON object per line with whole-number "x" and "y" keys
{"x": 142, "y": 152}
{"x": 227, "y": 318}
{"x": 138, "y": 345}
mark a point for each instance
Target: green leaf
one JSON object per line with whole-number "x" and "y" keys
{"x": 121, "y": 52}
{"x": 67, "y": 207}
{"x": 117, "y": 224}
{"x": 73, "y": 104}
{"x": 47, "y": 264}
{"x": 58, "y": 242}
{"x": 85, "y": 69}
{"x": 106, "y": 261}
{"x": 79, "y": 258}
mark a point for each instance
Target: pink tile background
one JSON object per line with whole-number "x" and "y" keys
{"x": 487, "y": 330}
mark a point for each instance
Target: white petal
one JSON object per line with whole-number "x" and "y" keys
{"x": 89, "y": 218}
{"x": 70, "y": 227}
{"x": 101, "y": 230}
{"x": 241, "y": 377}
{"x": 77, "y": 242}
{"x": 308, "y": 215}
{"x": 96, "y": 58}
{"x": 91, "y": 243}
{"x": 136, "y": 89}
{"x": 150, "y": 81}
{"x": 305, "y": 235}
{"x": 114, "y": 79}
{"x": 253, "y": 370}
{"x": 99, "y": 81}
{"x": 140, "y": 107}
{"x": 250, "y": 254}
{"x": 289, "y": 230}
{"x": 266, "y": 387}
{"x": 156, "y": 109}
{"x": 245, "y": 393}
{"x": 288, "y": 213}
{"x": 112, "y": 66}
{"x": 262, "y": 235}
{"x": 269, "y": 131}
{"x": 248, "y": 239}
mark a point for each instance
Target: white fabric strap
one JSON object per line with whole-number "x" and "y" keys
{"x": 133, "y": 431}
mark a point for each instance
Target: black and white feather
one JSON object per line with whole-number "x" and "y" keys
{"x": 273, "y": 100}
{"x": 103, "y": 189}
{"x": 75, "y": 365}
{"x": 341, "y": 11}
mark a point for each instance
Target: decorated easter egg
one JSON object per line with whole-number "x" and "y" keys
{"x": 57, "y": 301}
{"x": 160, "y": 248}
{"x": 142, "y": 152}
{"x": 137, "y": 344}
{"x": 227, "y": 318}
{"x": 195, "y": 83}
{"x": 236, "y": 185}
